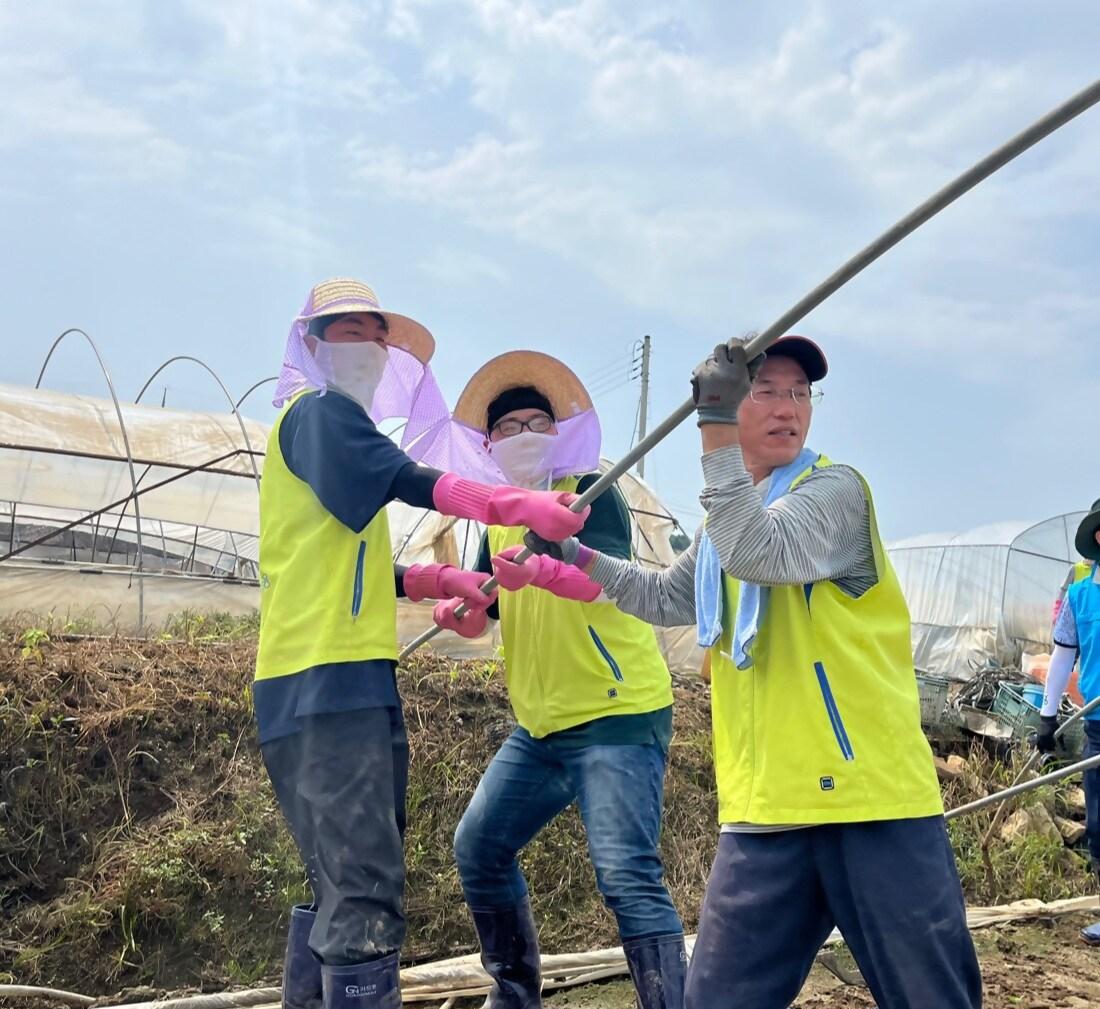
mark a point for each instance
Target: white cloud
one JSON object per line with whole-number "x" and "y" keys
{"x": 683, "y": 178}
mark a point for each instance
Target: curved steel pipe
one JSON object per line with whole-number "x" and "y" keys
{"x": 126, "y": 444}
{"x": 229, "y": 399}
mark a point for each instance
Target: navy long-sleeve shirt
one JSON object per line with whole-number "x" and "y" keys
{"x": 330, "y": 443}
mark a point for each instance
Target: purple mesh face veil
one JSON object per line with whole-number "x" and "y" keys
{"x": 454, "y": 447}
{"x": 407, "y": 388}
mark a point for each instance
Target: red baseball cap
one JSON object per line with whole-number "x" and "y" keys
{"x": 805, "y": 352}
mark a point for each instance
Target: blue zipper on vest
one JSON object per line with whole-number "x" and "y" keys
{"x": 834, "y": 713}
{"x": 357, "y": 588}
{"x": 615, "y": 671}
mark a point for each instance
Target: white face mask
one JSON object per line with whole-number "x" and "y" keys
{"x": 524, "y": 458}
{"x": 353, "y": 368}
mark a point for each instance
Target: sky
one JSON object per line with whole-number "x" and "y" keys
{"x": 568, "y": 177}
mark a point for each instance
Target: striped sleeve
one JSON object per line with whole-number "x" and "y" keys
{"x": 664, "y": 598}
{"x": 820, "y": 531}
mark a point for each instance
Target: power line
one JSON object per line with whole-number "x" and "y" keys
{"x": 609, "y": 386}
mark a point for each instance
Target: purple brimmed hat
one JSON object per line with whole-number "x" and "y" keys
{"x": 342, "y": 296}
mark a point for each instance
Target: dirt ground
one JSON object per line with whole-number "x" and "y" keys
{"x": 1032, "y": 966}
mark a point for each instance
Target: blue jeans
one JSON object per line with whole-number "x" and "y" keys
{"x": 891, "y": 888}
{"x": 1092, "y": 790}
{"x": 619, "y": 791}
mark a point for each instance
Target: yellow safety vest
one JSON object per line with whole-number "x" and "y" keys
{"x": 824, "y": 726}
{"x": 569, "y": 662}
{"x": 327, "y": 592}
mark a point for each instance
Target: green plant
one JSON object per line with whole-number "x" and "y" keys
{"x": 33, "y": 639}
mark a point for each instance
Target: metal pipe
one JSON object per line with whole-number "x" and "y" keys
{"x": 1034, "y": 759}
{"x": 126, "y": 444}
{"x": 1027, "y": 786}
{"x": 1043, "y": 127}
{"x": 229, "y": 399}
{"x": 120, "y": 502}
{"x": 253, "y": 388}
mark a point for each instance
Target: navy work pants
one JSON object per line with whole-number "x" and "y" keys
{"x": 890, "y": 886}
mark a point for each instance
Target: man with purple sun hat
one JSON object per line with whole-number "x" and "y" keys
{"x": 328, "y": 711}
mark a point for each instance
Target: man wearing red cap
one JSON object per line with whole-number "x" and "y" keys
{"x": 829, "y": 805}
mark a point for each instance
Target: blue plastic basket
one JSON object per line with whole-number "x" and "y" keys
{"x": 1012, "y": 709}
{"x": 1033, "y": 694}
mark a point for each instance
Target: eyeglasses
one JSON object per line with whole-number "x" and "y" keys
{"x": 801, "y": 394}
{"x": 510, "y": 427}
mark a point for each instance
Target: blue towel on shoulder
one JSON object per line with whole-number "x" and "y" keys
{"x": 752, "y": 600}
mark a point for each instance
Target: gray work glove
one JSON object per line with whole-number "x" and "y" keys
{"x": 722, "y": 381}
{"x": 566, "y": 550}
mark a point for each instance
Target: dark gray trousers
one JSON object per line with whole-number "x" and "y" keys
{"x": 341, "y": 785}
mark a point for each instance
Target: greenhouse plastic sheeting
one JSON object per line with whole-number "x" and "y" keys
{"x": 107, "y": 597}
{"x": 65, "y": 451}
{"x": 984, "y": 594}
{"x": 62, "y": 456}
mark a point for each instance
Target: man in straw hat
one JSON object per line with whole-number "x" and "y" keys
{"x": 1077, "y": 631}
{"x": 330, "y": 723}
{"x": 591, "y": 694}
{"x": 828, "y": 799}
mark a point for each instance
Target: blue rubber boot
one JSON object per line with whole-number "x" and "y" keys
{"x": 658, "y": 966}
{"x": 301, "y": 968}
{"x": 373, "y": 985}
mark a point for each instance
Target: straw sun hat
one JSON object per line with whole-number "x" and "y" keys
{"x": 566, "y": 392}
{"x": 342, "y": 295}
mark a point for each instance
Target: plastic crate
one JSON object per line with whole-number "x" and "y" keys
{"x": 933, "y": 698}
{"x": 1013, "y": 710}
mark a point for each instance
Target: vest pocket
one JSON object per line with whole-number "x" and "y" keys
{"x": 357, "y": 585}
{"x": 834, "y": 713}
{"x": 608, "y": 658}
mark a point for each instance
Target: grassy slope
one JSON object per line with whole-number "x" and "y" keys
{"x": 140, "y": 842}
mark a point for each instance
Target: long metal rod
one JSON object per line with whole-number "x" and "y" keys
{"x": 1088, "y": 709}
{"x": 1027, "y": 786}
{"x": 860, "y": 261}
{"x": 119, "y": 503}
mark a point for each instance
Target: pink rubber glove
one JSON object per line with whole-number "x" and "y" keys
{"x": 513, "y": 576}
{"x": 546, "y": 512}
{"x": 471, "y": 624}
{"x": 441, "y": 581}
{"x": 557, "y": 577}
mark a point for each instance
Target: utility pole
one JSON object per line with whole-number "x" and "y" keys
{"x": 643, "y": 409}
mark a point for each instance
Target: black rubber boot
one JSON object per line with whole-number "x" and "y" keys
{"x": 301, "y": 968}
{"x": 510, "y": 955}
{"x": 373, "y": 985}
{"x": 658, "y": 965}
